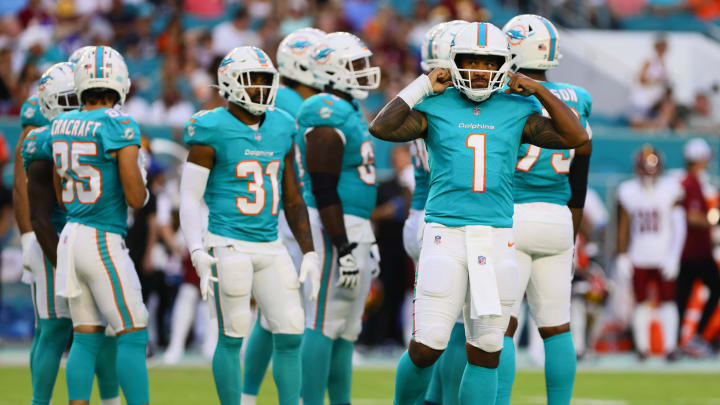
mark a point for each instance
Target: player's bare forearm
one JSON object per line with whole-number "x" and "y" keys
{"x": 294, "y": 206}
{"x": 565, "y": 123}
{"x": 397, "y": 122}
{"x": 623, "y": 234}
{"x": 130, "y": 176}
{"x": 334, "y": 223}
{"x": 577, "y": 215}
{"x": 41, "y": 192}
{"x": 57, "y": 185}
{"x": 20, "y": 198}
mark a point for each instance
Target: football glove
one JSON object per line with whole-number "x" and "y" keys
{"x": 623, "y": 266}
{"x": 203, "y": 263}
{"x": 347, "y": 266}
{"x": 375, "y": 260}
{"x": 310, "y": 266}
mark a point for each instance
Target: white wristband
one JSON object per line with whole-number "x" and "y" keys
{"x": 416, "y": 91}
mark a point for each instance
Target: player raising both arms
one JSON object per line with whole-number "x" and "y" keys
{"x": 547, "y": 182}
{"x": 95, "y": 151}
{"x": 241, "y": 163}
{"x": 298, "y": 83}
{"x": 447, "y": 372}
{"x": 651, "y": 235}
{"x": 473, "y": 132}
{"x": 339, "y": 187}
{"x": 56, "y": 95}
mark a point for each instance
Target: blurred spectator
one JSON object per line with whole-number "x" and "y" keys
{"x": 33, "y": 13}
{"x": 204, "y": 8}
{"x": 697, "y": 257}
{"x": 652, "y": 82}
{"x": 359, "y": 12}
{"x": 700, "y": 117}
{"x": 297, "y": 17}
{"x": 171, "y": 109}
{"x": 234, "y": 33}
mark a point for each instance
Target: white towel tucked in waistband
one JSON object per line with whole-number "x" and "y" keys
{"x": 66, "y": 279}
{"x": 484, "y": 295}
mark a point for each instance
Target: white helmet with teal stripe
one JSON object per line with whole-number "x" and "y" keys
{"x": 102, "y": 67}
{"x": 483, "y": 40}
{"x": 435, "y": 51}
{"x": 248, "y": 67}
{"x": 293, "y": 56}
{"x": 533, "y": 42}
{"x": 75, "y": 56}
{"x": 56, "y": 92}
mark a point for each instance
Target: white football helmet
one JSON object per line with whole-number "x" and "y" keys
{"x": 437, "y": 47}
{"x": 533, "y": 42}
{"x": 479, "y": 39}
{"x": 235, "y": 75}
{"x": 75, "y": 56}
{"x": 56, "y": 92}
{"x": 342, "y": 60}
{"x": 293, "y": 56}
{"x": 102, "y": 67}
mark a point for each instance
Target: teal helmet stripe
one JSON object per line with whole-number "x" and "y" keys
{"x": 553, "y": 39}
{"x": 482, "y": 35}
{"x": 99, "y": 62}
{"x": 430, "y": 47}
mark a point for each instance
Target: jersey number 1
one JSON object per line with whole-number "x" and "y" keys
{"x": 67, "y": 159}
{"x": 476, "y": 142}
{"x": 248, "y": 167}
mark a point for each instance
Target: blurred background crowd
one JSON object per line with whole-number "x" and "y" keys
{"x": 651, "y": 66}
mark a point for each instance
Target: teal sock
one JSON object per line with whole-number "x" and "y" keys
{"x": 258, "y": 350}
{"x": 106, "y": 369}
{"x": 131, "y": 368}
{"x": 53, "y": 339}
{"x": 80, "y": 367}
{"x": 33, "y": 350}
{"x": 506, "y": 371}
{"x": 410, "y": 381}
{"x": 286, "y": 367}
{"x": 479, "y": 385}
{"x": 340, "y": 377}
{"x": 452, "y": 365}
{"x": 226, "y": 369}
{"x": 316, "y": 352}
{"x": 560, "y": 365}
{"x": 434, "y": 392}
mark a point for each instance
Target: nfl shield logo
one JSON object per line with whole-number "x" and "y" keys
{"x": 482, "y": 260}
{"x": 437, "y": 239}
{"x": 258, "y": 136}
{"x": 476, "y": 110}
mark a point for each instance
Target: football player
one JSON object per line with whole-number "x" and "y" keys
{"x": 241, "y": 164}
{"x": 447, "y": 373}
{"x": 297, "y": 84}
{"x": 56, "y": 95}
{"x": 651, "y": 235}
{"x": 95, "y": 150}
{"x": 473, "y": 132}
{"x": 340, "y": 188}
{"x": 549, "y": 195}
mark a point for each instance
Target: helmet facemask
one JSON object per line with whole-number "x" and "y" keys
{"x": 52, "y": 105}
{"x": 255, "y": 91}
{"x": 479, "y": 84}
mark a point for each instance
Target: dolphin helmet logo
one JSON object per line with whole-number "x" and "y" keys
{"x": 323, "y": 55}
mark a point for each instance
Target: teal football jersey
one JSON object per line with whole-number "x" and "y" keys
{"x": 357, "y": 187}
{"x": 38, "y": 146}
{"x": 419, "y": 155}
{"x": 30, "y": 113}
{"x": 472, "y": 151}
{"x": 244, "y": 188}
{"x": 288, "y": 100}
{"x": 82, "y": 144}
{"x": 541, "y": 174}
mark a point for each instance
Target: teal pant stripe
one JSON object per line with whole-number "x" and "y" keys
{"x": 114, "y": 279}
{"x": 50, "y": 284}
{"x": 417, "y": 266}
{"x": 327, "y": 272}
{"x": 216, "y": 288}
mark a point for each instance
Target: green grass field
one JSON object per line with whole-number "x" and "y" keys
{"x": 374, "y": 387}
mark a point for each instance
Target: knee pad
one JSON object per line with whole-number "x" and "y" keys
{"x": 490, "y": 341}
{"x": 435, "y": 337}
{"x": 235, "y": 273}
{"x": 237, "y": 323}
